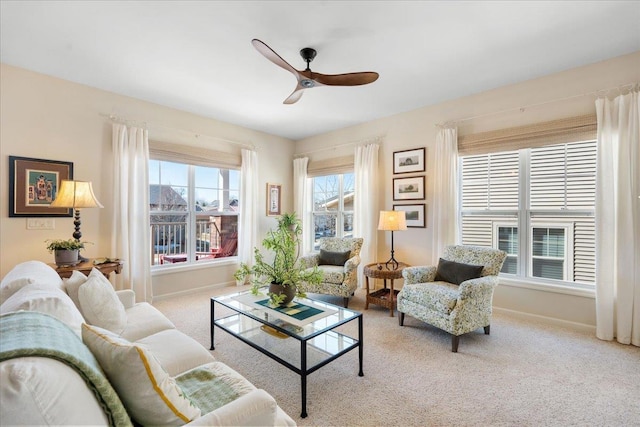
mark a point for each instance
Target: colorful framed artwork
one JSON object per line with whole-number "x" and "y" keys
{"x": 274, "y": 199}
{"x": 415, "y": 214}
{"x": 409, "y": 161}
{"x": 33, "y": 185}
{"x": 411, "y": 188}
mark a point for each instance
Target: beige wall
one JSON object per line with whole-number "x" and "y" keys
{"x": 49, "y": 118}
{"x": 564, "y": 94}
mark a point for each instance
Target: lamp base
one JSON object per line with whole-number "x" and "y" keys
{"x": 392, "y": 264}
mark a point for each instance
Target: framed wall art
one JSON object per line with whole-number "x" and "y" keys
{"x": 410, "y": 188}
{"x": 33, "y": 185}
{"x": 409, "y": 161}
{"x": 274, "y": 199}
{"x": 415, "y": 214}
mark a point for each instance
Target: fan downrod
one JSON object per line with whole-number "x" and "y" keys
{"x": 308, "y": 54}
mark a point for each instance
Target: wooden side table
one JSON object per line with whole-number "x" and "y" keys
{"x": 114, "y": 265}
{"x": 385, "y": 297}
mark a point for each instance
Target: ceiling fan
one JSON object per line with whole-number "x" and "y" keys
{"x": 308, "y": 79}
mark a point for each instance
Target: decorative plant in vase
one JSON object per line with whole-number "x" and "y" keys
{"x": 283, "y": 273}
{"x": 65, "y": 251}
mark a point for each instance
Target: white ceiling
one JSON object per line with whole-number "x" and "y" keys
{"x": 197, "y": 56}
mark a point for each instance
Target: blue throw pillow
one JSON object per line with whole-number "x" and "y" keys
{"x": 456, "y": 272}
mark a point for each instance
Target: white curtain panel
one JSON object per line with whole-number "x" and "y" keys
{"x": 366, "y": 207}
{"x": 248, "y": 227}
{"x": 445, "y": 195}
{"x": 618, "y": 219}
{"x": 131, "y": 230}
{"x": 302, "y": 200}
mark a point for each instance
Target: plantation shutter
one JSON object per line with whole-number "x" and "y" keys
{"x": 490, "y": 181}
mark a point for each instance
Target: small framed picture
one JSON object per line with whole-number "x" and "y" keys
{"x": 409, "y": 161}
{"x": 34, "y": 184}
{"x": 274, "y": 199}
{"x": 411, "y": 188}
{"x": 415, "y": 214}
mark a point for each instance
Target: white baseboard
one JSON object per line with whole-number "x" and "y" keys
{"x": 194, "y": 290}
{"x": 583, "y": 327}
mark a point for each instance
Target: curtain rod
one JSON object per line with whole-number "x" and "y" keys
{"x": 363, "y": 141}
{"x": 145, "y": 125}
{"x": 598, "y": 93}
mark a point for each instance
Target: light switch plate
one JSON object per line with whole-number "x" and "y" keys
{"x": 41, "y": 223}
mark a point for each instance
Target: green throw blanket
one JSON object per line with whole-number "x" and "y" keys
{"x": 28, "y": 333}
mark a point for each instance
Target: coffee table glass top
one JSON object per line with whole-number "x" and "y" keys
{"x": 302, "y": 319}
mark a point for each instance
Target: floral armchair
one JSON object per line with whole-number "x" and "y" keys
{"x": 338, "y": 260}
{"x": 455, "y": 308}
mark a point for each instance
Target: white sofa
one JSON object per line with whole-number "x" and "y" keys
{"x": 40, "y": 390}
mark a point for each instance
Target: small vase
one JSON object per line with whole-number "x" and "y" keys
{"x": 66, "y": 256}
{"x": 288, "y": 291}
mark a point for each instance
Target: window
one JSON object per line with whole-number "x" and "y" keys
{"x": 548, "y": 191}
{"x": 193, "y": 212}
{"x": 333, "y": 206}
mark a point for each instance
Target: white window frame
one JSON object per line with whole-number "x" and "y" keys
{"x": 567, "y": 226}
{"x": 340, "y": 213}
{"x": 525, "y": 217}
{"x": 191, "y": 214}
{"x": 496, "y": 240}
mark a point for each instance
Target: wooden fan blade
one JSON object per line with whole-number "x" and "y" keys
{"x": 349, "y": 79}
{"x": 270, "y": 54}
{"x": 295, "y": 96}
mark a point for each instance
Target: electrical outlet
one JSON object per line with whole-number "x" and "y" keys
{"x": 41, "y": 223}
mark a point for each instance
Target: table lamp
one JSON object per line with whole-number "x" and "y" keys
{"x": 392, "y": 221}
{"x": 76, "y": 195}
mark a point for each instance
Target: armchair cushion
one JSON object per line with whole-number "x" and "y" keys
{"x": 456, "y": 272}
{"x": 333, "y": 258}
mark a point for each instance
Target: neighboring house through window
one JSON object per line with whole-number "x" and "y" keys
{"x": 193, "y": 212}
{"x": 332, "y": 206}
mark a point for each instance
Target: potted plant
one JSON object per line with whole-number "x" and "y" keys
{"x": 65, "y": 251}
{"x": 283, "y": 273}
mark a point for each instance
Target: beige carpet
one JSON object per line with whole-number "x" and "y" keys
{"x": 523, "y": 374}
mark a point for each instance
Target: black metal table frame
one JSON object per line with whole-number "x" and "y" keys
{"x": 303, "y": 371}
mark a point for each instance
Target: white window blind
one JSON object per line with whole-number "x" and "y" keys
{"x": 333, "y": 166}
{"x": 193, "y": 155}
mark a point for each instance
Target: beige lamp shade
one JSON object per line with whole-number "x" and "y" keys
{"x": 75, "y": 194}
{"x": 392, "y": 221}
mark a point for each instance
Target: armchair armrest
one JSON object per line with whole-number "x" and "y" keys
{"x": 352, "y": 263}
{"x": 310, "y": 260}
{"x": 127, "y": 297}
{"x": 256, "y": 408}
{"x": 474, "y": 288}
{"x": 419, "y": 274}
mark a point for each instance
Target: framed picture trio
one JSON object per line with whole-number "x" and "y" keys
{"x": 411, "y": 188}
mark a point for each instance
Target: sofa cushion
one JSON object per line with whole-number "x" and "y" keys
{"x": 72, "y": 285}
{"x": 150, "y": 395}
{"x": 45, "y": 299}
{"x": 44, "y": 391}
{"x": 176, "y": 351}
{"x": 433, "y": 296}
{"x": 333, "y": 258}
{"x": 456, "y": 273}
{"x": 144, "y": 320}
{"x": 26, "y": 273}
{"x": 100, "y": 305}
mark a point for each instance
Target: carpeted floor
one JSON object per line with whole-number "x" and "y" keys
{"x": 523, "y": 374}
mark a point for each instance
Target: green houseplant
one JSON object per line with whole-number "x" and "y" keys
{"x": 65, "y": 251}
{"x": 283, "y": 272}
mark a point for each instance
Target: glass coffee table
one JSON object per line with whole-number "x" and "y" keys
{"x": 301, "y": 336}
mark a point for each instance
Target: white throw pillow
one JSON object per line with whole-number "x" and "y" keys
{"x": 45, "y": 299}
{"x": 72, "y": 286}
{"x": 100, "y": 304}
{"x": 150, "y": 395}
